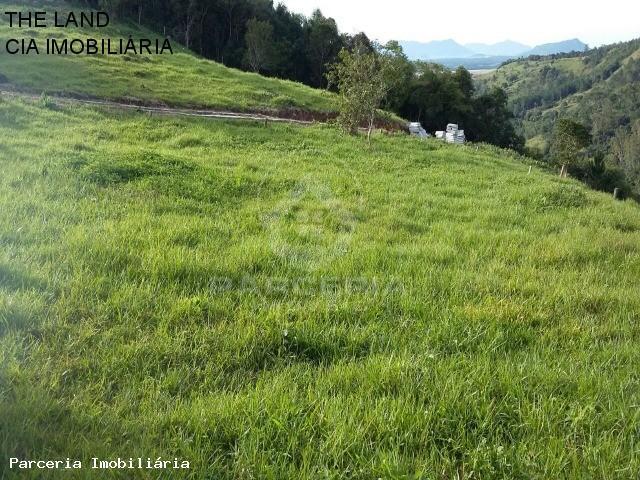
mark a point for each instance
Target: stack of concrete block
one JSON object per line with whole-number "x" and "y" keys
{"x": 416, "y": 130}
{"x": 454, "y": 135}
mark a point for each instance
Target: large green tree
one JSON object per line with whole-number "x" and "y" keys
{"x": 570, "y": 141}
{"x": 323, "y": 46}
{"x": 492, "y": 121}
{"x": 625, "y": 150}
{"x": 259, "y": 45}
{"x": 400, "y": 76}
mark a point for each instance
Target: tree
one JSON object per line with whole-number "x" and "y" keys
{"x": 626, "y": 152}
{"x": 403, "y": 71}
{"x": 363, "y": 79}
{"x": 259, "y": 42}
{"x": 492, "y": 121}
{"x": 570, "y": 139}
{"x": 435, "y": 98}
{"x": 289, "y": 59}
{"x": 115, "y": 7}
{"x": 323, "y": 45}
{"x": 463, "y": 78}
{"x": 187, "y": 13}
{"x": 359, "y": 40}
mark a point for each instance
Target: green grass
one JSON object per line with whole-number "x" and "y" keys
{"x": 286, "y": 303}
{"x": 181, "y": 79}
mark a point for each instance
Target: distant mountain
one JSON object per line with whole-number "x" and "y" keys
{"x": 496, "y": 53}
{"x": 503, "y": 49}
{"x": 436, "y": 50}
{"x": 567, "y": 46}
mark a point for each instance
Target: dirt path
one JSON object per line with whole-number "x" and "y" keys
{"x": 169, "y": 111}
{"x": 298, "y": 117}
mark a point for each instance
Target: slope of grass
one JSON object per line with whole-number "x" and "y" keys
{"x": 285, "y": 303}
{"x": 181, "y": 79}
{"x": 517, "y": 76}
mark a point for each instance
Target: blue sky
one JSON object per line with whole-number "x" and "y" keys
{"x": 541, "y": 21}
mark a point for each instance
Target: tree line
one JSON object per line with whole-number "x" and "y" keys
{"x": 253, "y": 35}
{"x": 370, "y": 76}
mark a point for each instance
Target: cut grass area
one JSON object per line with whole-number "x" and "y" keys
{"x": 181, "y": 79}
{"x": 286, "y": 303}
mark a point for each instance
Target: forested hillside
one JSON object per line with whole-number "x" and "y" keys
{"x": 600, "y": 89}
{"x": 181, "y": 79}
{"x": 253, "y": 35}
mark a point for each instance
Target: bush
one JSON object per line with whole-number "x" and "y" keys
{"x": 602, "y": 177}
{"x": 47, "y": 102}
{"x": 282, "y": 101}
{"x": 570, "y": 139}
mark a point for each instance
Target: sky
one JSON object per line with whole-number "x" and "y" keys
{"x": 595, "y": 22}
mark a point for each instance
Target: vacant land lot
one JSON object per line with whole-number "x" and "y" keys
{"x": 284, "y": 302}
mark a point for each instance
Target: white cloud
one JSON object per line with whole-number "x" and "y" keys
{"x": 539, "y": 21}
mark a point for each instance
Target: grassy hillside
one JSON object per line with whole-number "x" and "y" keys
{"x": 286, "y": 303}
{"x": 182, "y": 79}
{"x": 600, "y": 88}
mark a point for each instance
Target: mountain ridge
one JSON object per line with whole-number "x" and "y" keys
{"x": 565, "y": 46}
{"x": 435, "y": 49}
{"x": 451, "y": 49}
{"x": 504, "y": 48}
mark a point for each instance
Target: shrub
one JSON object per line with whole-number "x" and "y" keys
{"x": 569, "y": 141}
{"x": 282, "y": 101}
{"x": 602, "y": 177}
{"x": 47, "y": 102}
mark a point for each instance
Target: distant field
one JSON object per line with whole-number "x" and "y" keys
{"x": 477, "y": 73}
{"x": 181, "y": 79}
{"x": 482, "y": 63}
{"x": 287, "y": 303}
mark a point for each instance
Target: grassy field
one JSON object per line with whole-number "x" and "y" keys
{"x": 286, "y": 303}
{"x": 181, "y": 79}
